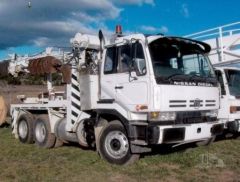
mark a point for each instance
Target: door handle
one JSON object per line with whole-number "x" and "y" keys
{"x": 118, "y": 87}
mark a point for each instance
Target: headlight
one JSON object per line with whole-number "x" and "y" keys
{"x": 212, "y": 113}
{"x": 162, "y": 116}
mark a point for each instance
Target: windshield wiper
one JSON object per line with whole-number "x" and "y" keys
{"x": 202, "y": 77}
{"x": 183, "y": 76}
{"x": 162, "y": 79}
{"x": 197, "y": 76}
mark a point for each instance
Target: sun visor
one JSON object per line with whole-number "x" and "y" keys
{"x": 184, "y": 44}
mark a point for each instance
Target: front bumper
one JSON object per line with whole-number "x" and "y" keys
{"x": 164, "y": 134}
{"x": 188, "y": 133}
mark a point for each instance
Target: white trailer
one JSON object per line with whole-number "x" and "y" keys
{"x": 125, "y": 95}
{"x": 225, "y": 57}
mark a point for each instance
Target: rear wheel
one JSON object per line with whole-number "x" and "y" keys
{"x": 114, "y": 145}
{"x": 81, "y": 134}
{"x": 42, "y": 133}
{"x": 85, "y": 133}
{"x": 25, "y": 128}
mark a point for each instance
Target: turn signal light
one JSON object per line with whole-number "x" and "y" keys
{"x": 141, "y": 107}
{"x": 154, "y": 115}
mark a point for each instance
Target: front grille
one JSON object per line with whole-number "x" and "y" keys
{"x": 192, "y": 117}
{"x": 197, "y": 103}
{"x": 210, "y": 103}
{"x": 177, "y": 103}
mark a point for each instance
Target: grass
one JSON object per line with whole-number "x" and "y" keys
{"x": 21, "y": 162}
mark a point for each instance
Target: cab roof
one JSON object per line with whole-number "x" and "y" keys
{"x": 179, "y": 41}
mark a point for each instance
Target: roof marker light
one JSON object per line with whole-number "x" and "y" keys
{"x": 119, "y": 30}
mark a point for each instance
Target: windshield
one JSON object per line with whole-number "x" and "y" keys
{"x": 233, "y": 77}
{"x": 176, "y": 60}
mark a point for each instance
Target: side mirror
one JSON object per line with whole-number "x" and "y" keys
{"x": 139, "y": 66}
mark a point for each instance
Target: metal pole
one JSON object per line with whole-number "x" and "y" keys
{"x": 49, "y": 82}
{"x": 221, "y": 42}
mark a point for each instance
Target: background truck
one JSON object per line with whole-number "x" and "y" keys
{"x": 123, "y": 95}
{"x": 225, "y": 57}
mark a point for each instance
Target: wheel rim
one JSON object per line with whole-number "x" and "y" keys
{"x": 82, "y": 133}
{"x": 116, "y": 144}
{"x": 40, "y": 132}
{"x": 23, "y": 129}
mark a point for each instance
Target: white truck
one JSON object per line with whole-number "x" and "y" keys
{"x": 124, "y": 95}
{"x": 225, "y": 57}
{"x": 229, "y": 111}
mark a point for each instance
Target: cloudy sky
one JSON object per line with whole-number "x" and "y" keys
{"x": 54, "y": 22}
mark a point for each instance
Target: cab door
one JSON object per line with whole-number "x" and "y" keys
{"x": 125, "y": 87}
{"x": 223, "y": 112}
{"x": 131, "y": 85}
{"x": 108, "y": 75}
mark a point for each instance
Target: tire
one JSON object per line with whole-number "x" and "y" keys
{"x": 114, "y": 145}
{"x": 85, "y": 133}
{"x": 42, "y": 133}
{"x": 236, "y": 136}
{"x": 206, "y": 142}
{"x": 58, "y": 143}
{"x": 25, "y": 128}
{"x": 81, "y": 134}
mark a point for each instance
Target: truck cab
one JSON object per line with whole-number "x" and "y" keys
{"x": 229, "y": 112}
{"x": 164, "y": 88}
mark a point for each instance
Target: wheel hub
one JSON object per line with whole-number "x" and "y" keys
{"x": 116, "y": 144}
{"x": 40, "y": 132}
{"x": 23, "y": 129}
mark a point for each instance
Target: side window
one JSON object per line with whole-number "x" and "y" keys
{"x": 110, "y": 65}
{"x": 140, "y": 54}
{"x": 124, "y": 58}
{"x": 220, "y": 80}
{"x": 140, "y": 62}
{"x": 119, "y": 59}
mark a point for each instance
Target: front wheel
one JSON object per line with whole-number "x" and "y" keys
{"x": 114, "y": 145}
